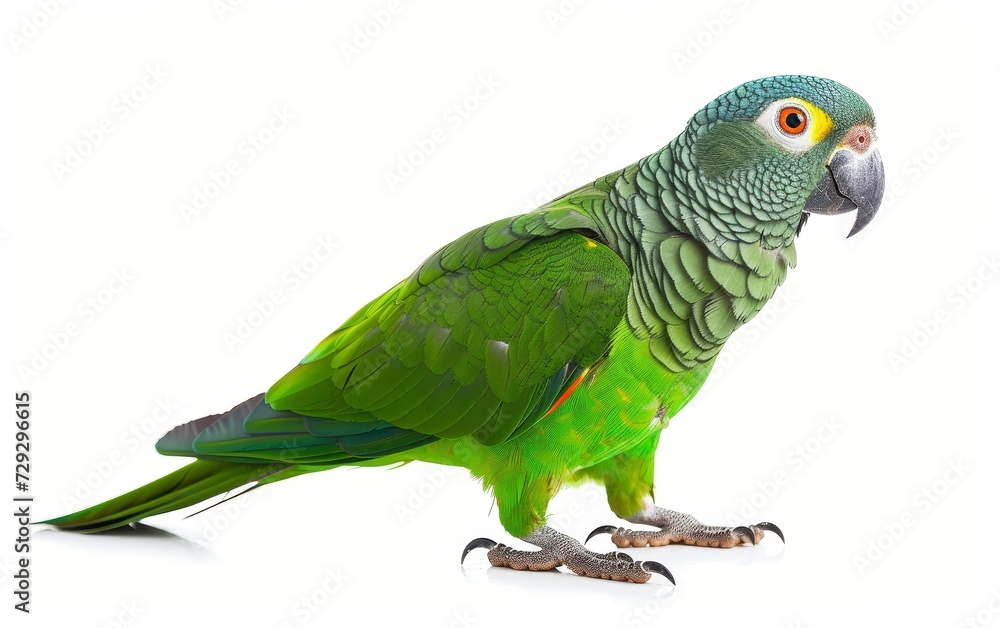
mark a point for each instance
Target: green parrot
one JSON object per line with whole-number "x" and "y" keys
{"x": 553, "y": 347}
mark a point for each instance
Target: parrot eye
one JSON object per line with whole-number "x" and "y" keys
{"x": 792, "y": 120}
{"x": 794, "y": 124}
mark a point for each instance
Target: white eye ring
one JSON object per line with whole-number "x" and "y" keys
{"x": 770, "y": 121}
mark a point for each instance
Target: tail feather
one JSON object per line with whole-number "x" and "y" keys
{"x": 187, "y": 486}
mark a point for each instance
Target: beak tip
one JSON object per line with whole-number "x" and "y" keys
{"x": 862, "y": 219}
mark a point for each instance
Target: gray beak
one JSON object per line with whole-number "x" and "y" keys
{"x": 851, "y": 181}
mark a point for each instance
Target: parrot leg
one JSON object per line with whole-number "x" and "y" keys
{"x": 678, "y": 527}
{"x": 628, "y": 479}
{"x": 559, "y": 549}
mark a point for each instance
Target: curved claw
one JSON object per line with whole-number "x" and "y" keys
{"x": 748, "y": 531}
{"x": 767, "y": 525}
{"x": 601, "y": 530}
{"x": 651, "y": 566}
{"x": 480, "y": 543}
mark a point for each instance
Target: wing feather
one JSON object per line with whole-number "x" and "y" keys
{"x": 481, "y": 340}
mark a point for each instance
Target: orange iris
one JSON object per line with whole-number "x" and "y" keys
{"x": 792, "y": 120}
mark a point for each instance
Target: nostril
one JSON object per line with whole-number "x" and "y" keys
{"x": 859, "y": 139}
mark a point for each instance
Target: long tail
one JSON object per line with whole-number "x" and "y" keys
{"x": 189, "y": 485}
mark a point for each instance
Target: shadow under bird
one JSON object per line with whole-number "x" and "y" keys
{"x": 553, "y": 347}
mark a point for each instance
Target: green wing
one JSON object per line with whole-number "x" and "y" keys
{"x": 480, "y": 340}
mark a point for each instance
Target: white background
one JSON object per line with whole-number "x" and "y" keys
{"x": 823, "y": 352}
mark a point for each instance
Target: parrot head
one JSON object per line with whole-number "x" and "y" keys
{"x": 798, "y": 145}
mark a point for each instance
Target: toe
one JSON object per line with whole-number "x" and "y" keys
{"x": 745, "y": 535}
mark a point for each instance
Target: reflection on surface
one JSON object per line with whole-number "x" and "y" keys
{"x": 135, "y": 537}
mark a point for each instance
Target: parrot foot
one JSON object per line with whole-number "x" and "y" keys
{"x": 677, "y": 527}
{"x": 559, "y": 549}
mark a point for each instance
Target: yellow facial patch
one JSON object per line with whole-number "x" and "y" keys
{"x": 820, "y": 123}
